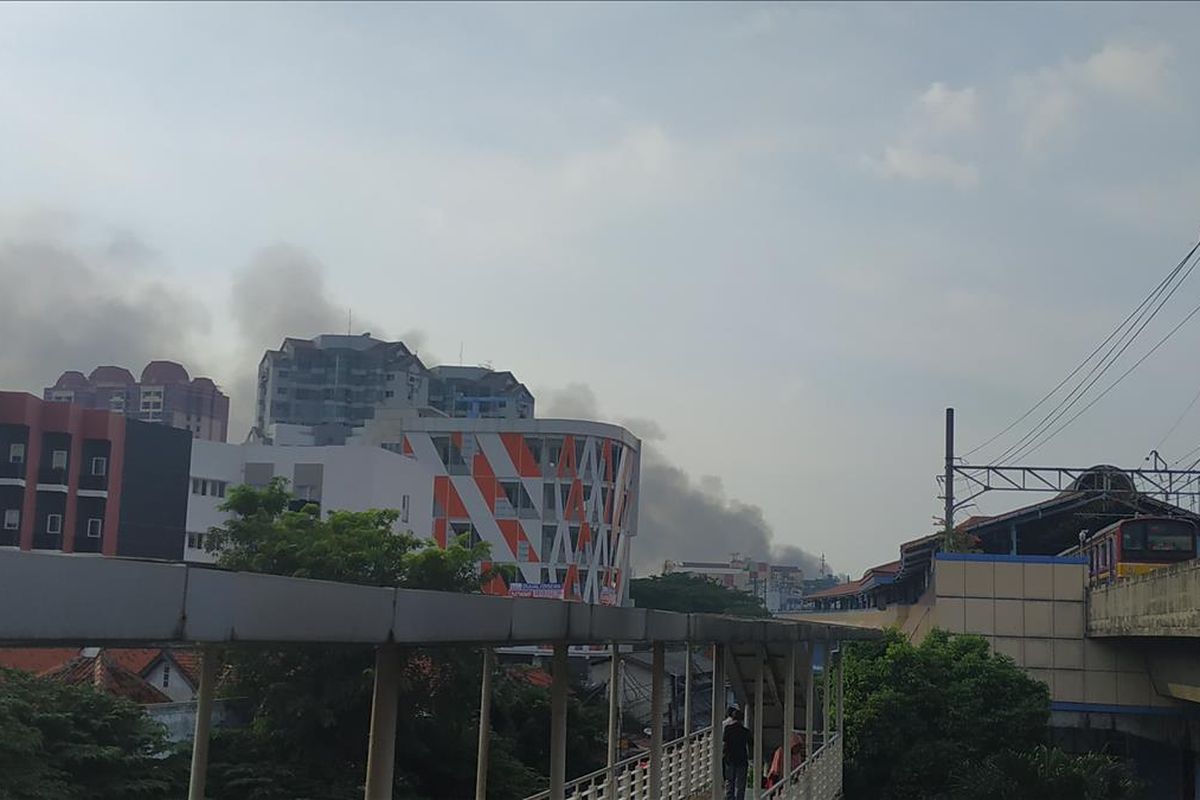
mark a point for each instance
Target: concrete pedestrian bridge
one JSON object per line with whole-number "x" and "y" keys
{"x": 782, "y": 671}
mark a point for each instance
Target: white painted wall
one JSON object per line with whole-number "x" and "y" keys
{"x": 178, "y": 688}
{"x": 355, "y": 479}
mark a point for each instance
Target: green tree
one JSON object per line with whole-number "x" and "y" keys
{"x": 66, "y": 742}
{"x": 949, "y": 719}
{"x": 311, "y": 705}
{"x": 916, "y": 715}
{"x": 679, "y": 591}
{"x": 1045, "y": 774}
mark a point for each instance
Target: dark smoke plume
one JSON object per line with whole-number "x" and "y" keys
{"x": 680, "y": 518}
{"x": 281, "y": 292}
{"x": 76, "y": 299}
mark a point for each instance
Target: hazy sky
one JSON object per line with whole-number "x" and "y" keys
{"x": 790, "y": 235}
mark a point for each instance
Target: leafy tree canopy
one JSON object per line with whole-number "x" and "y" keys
{"x": 679, "y": 591}
{"x": 950, "y": 719}
{"x": 311, "y": 706}
{"x": 65, "y": 742}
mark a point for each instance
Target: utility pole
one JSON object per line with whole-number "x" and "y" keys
{"x": 949, "y": 478}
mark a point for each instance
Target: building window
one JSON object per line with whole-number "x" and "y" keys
{"x": 94, "y": 527}
{"x": 404, "y": 508}
{"x": 522, "y": 551}
{"x": 99, "y": 466}
{"x": 54, "y": 523}
{"x": 12, "y": 519}
{"x": 166, "y": 681}
{"x": 197, "y": 486}
{"x": 191, "y": 541}
{"x": 58, "y": 459}
{"x": 218, "y": 488}
{"x": 389, "y": 393}
{"x": 16, "y": 453}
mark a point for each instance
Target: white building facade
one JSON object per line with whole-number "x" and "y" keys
{"x": 556, "y": 499}
{"x": 335, "y": 477}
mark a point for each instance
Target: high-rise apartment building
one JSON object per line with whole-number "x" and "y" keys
{"x": 165, "y": 395}
{"x": 333, "y": 383}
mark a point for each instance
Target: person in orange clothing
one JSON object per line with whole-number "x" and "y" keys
{"x": 775, "y": 773}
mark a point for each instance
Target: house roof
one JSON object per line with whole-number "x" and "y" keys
{"x": 36, "y": 659}
{"x": 105, "y": 673}
{"x": 874, "y": 576}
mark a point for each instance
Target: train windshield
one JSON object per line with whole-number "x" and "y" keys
{"x": 1157, "y": 538}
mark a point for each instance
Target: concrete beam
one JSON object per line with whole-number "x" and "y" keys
{"x": 1162, "y": 603}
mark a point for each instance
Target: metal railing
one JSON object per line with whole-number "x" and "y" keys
{"x": 685, "y": 772}
{"x": 819, "y": 777}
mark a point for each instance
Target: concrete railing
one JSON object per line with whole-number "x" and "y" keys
{"x": 819, "y": 777}
{"x": 686, "y": 770}
{"x": 1164, "y": 603}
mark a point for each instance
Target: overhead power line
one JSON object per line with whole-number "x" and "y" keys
{"x": 1030, "y": 441}
{"x": 1122, "y": 377}
{"x": 1117, "y": 342}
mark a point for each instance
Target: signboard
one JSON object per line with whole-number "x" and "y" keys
{"x": 608, "y": 596}
{"x": 543, "y": 591}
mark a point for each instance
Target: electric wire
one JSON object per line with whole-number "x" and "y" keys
{"x": 1122, "y": 377}
{"x": 1023, "y": 446}
{"x": 1119, "y": 332}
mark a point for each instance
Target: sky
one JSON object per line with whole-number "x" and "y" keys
{"x": 776, "y": 240}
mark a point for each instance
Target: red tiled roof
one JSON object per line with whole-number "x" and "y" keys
{"x": 849, "y": 587}
{"x": 135, "y": 659}
{"x": 36, "y": 659}
{"x": 104, "y": 673}
{"x": 532, "y": 675}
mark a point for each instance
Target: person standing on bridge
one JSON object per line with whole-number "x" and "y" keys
{"x": 736, "y": 756}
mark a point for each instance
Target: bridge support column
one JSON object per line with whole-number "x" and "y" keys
{"x": 826, "y": 696}
{"x": 717, "y": 740}
{"x": 558, "y": 724}
{"x": 689, "y": 757}
{"x": 789, "y": 712}
{"x": 841, "y": 692}
{"x": 614, "y": 720}
{"x": 656, "y": 719}
{"x": 756, "y": 774}
{"x": 485, "y": 724}
{"x": 381, "y": 743}
{"x": 209, "y": 664}
{"x": 809, "y": 702}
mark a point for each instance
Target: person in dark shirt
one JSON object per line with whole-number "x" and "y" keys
{"x": 736, "y": 756}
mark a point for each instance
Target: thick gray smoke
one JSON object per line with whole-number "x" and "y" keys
{"x": 76, "y": 298}
{"x": 681, "y": 518}
{"x": 282, "y": 292}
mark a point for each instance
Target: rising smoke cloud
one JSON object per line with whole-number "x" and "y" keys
{"x": 76, "y": 297}
{"x": 282, "y": 292}
{"x": 680, "y": 517}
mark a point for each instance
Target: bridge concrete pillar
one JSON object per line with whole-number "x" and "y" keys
{"x": 210, "y": 661}
{"x": 841, "y": 692}
{"x": 756, "y": 774}
{"x": 614, "y": 720}
{"x": 657, "y": 671}
{"x": 717, "y": 740}
{"x": 789, "y": 711}
{"x": 558, "y": 724}
{"x": 381, "y": 742}
{"x": 485, "y": 724}
{"x": 809, "y": 702}
{"x": 826, "y": 696}
{"x": 689, "y": 758}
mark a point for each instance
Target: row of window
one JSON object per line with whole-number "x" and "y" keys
{"x": 195, "y": 541}
{"x": 208, "y": 488}
{"x": 58, "y": 459}
{"x": 54, "y": 522}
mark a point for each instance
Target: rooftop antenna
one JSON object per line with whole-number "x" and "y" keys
{"x": 460, "y": 351}
{"x": 349, "y": 320}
